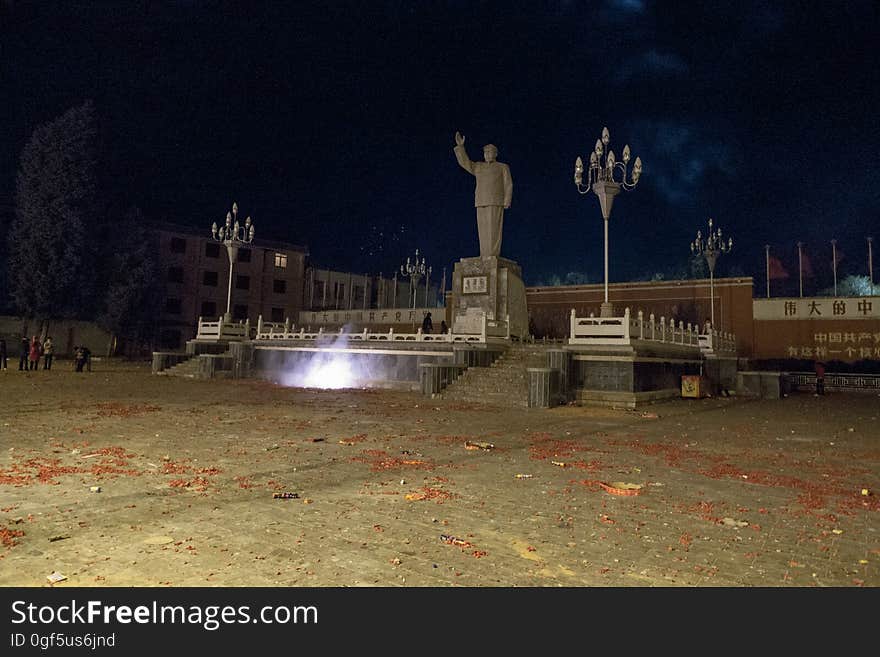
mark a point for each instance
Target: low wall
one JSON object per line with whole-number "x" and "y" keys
{"x": 628, "y": 375}
{"x": 720, "y": 372}
{"x": 763, "y": 385}
{"x": 328, "y": 367}
{"x": 65, "y": 334}
{"x": 434, "y": 377}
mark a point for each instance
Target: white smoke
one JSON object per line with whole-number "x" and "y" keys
{"x": 331, "y": 369}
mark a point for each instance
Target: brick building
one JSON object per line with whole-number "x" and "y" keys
{"x": 775, "y": 333}
{"x": 687, "y": 301}
{"x": 267, "y": 280}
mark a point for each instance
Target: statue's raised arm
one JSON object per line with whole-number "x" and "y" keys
{"x": 459, "y": 139}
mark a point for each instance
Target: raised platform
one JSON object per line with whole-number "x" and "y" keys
{"x": 491, "y": 287}
{"x": 628, "y": 400}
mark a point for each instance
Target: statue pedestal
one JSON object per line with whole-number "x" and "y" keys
{"x": 492, "y": 286}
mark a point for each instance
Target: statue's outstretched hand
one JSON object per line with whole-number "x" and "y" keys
{"x": 459, "y": 139}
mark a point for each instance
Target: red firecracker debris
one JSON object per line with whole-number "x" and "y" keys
{"x": 8, "y": 536}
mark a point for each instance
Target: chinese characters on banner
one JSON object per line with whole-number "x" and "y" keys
{"x": 366, "y": 317}
{"x": 839, "y": 345}
{"x": 817, "y": 308}
{"x": 818, "y": 328}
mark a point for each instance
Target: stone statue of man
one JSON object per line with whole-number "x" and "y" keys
{"x": 492, "y": 196}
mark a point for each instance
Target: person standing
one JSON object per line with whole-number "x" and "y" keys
{"x": 820, "y": 378}
{"x": 24, "y": 349}
{"x": 48, "y": 353}
{"x": 2, "y": 354}
{"x": 427, "y": 323}
{"x": 35, "y": 353}
{"x": 493, "y": 194}
{"x": 443, "y": 328}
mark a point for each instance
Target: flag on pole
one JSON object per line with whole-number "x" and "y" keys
{"x": 777, "y": 270}
{"x": 806, "y": 266}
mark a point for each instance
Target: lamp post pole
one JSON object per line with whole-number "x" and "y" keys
{"x": 767, "y": 260}
{"x": 800, "y": 246}
{"x": 605, "y": 179}
{"x": 232, "y": 236}
{"x": 415, "y": 270}
{"x": 870, "y": 264}
{"x": 834, "y": 263}
{"x": 710, "y": 248}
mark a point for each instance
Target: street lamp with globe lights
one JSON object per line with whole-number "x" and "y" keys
{"x": 606, "y": 177}
{"x": 232, "y": 236}
{"x": 415, "y": 270}
{"x": 710, "y": 248}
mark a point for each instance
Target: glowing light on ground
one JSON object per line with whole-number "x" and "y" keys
{"x": 332, "y": 373}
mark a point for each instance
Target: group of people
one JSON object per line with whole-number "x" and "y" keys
{"x": 33, "y": 350}
{"x": 428, "y": 324}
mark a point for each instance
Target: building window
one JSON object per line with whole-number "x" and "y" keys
{"x": 209, "y": 278}
{"x": 244, "y": 255}
{"x": 212, "y": 250}
{"x": 178, "y": 245}
{"x": 279, "y": 286}
{"x": 358, "y": 291}
{"x": 277, "y": 315}
{"x": 240, "y": 313}
{"x": 172, "y": 306}
{"x": 242, "y": 282}
{"x": 281, "y": 260}
{"x": 318, "y": 296}
{"x": 175, "y": 274}
{"x": 209, "y": 309}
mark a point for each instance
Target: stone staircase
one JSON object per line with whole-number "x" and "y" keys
{"x": 192, "y": 368}
{"x": 504, "y": 383}
{"x": 188, "y": 368}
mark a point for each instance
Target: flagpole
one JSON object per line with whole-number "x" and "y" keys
{"x": 834, "y": 263}
{"x": 801, "y": 268}
{"x": 767, "y": 255}
{"x": 870, "y": 264}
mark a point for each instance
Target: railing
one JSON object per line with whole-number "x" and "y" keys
{"x": 717, "y": 342}
{"x": 489, "y": 328}
{"x": 622, "y": 330}
{"x": 221, "y": 330}
{"x": 807, "y": 381}
{"x": 278, "y": 331}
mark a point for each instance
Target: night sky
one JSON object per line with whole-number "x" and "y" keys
{"x": 332, "y": 123}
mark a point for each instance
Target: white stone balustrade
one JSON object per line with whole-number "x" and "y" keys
{"x": 221, "y": 330}
{"x": 594, "y": 330}
{"x": 489, "y": 329}
{"x": 717, "y": 342}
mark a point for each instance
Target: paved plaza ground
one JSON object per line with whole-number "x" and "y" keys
{"x": 734, "y": 492}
